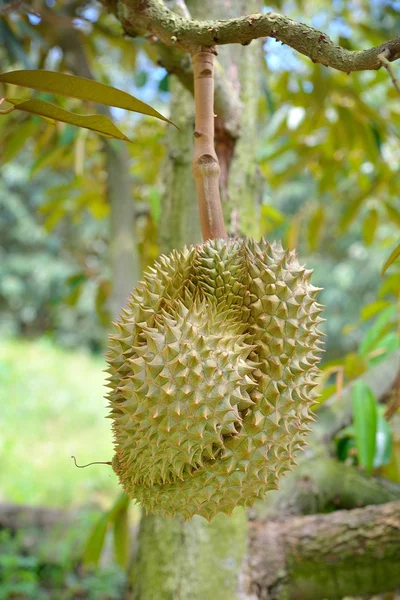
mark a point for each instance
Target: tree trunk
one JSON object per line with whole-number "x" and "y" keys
{"x": 180, "y": 223}
{"x": 197, "y": 560}
{"x": 346, "y": 553}
{"x": 123, "y": 250}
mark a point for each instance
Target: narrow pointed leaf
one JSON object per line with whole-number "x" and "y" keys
{"x": 315, "y": 228}
{"x": 369, "y": 226}
{"x": 365, "y": 417}
{"x": 79, "y": 87}
{"x": 382, "y": 325}
{"x": 395, "y": 254}
{"x": 95, "y": 542}
{"x": 121, "y": 533}
{"x": 98, "y": 123}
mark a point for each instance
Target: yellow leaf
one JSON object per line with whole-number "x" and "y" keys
{"x": 78, "y": 87}
{"x": 369, "y": 226}
{"x": 315, "y": 228}
{"x": 97, "y": 123}
{"x": 395, "y": 254}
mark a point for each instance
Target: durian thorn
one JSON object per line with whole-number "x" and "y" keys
{"x": 91, "y": 463}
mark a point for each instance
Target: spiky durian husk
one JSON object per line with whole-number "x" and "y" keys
{"x": 212, "y": 375}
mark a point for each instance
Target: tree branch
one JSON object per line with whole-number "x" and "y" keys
{"x": 321, "y": 484}
{"x": 345, "y": 553}
{"x": 141, "y": 17}
{"x": 227, "y": 103}
{"x": 205, "y": 162}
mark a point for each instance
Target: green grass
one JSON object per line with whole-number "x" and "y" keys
{"x": 52, "y": 406}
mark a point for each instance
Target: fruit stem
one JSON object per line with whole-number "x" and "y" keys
{"x": 205, "y": 161}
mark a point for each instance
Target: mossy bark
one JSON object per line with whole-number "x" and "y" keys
{"x": 321, "y": 484}
{"x": 180, "y": 223}
{"x": 195, "y": 560}
{"x": 346, "y": 553}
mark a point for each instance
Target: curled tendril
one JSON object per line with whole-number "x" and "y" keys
{"x": 91, "y": 463}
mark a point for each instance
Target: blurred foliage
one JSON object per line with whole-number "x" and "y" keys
{"x": 49, "y": 413}
{"x": 41, "y": 575}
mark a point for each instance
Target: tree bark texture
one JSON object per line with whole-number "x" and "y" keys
{"x": 346, "y": 553}
{"x": 321, "y": 484}
{"x": 195, "y": 560}
{"x": 179, "y": 218}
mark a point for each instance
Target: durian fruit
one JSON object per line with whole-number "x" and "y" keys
{"x": 212, "y": 375}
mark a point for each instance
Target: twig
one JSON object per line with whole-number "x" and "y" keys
{"x": 383, "y": 57}
{"x": 6, "y": 110}
{"x": 11, "y": 6}
{"x": 205, "y": 162}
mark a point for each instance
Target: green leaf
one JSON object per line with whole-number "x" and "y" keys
{"x": 391, "y": 285}
{"x": 344, "y": 447}
{"x": 121, "y": 533}
{"x": 270, "y": 218}
{"x": 18, "y": 139}
{"x": 326, "y": 393}
{"x": 95, "y": 542}
{"x": 121, "y": 501}
{"x": 369, "y": 226}
{"x": 163, "y": 85}
{"x": 365, "y": 416}
{"x": 377, "y": 330}
{"x": 353, "y": 206}
{"x": 393, "y": 213}
{"x": 97, "y": 123}
{"x": 383, "y": 450}
{"x": 155, "y": 203}
{"x": 102, "y": 295}
{"x": 315, "y": 227}
{"x": 272, "y": 214}
{"x": 395, "y": 254}
{"x": 386, "y": 345}
{"x": 53, "y": 155}
{"x": 370, "y": 310}
{"x": 79, "y": 87}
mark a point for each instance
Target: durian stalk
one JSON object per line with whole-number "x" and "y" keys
{"x": 205, "y": 162}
